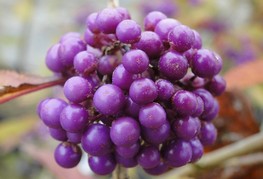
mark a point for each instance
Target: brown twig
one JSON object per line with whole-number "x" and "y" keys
{"x": 120, "y": 173}
{"x": 113, "y": 3}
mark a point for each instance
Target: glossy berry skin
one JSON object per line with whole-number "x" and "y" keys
{"x": 152, "y": 115}
{"x": 96, "y": 140}
{"x": 165, "y": 89}
{"x": 143, "y": 91}
{"x": 164, "y": 27}
{"x": 208, "y": 134}
{"x": 197, "y": 149}
{"x": 67, "y": 155}
{"x": 128, "y": 31}
{"x": 135, "y": 61}
{"x": 161, "y": 168}
{"x": 178, "y": 153}
{"x": 152, "y": 19}
{"x": 128, "y": 151}
{"x": 148, "y": 157}
{"x": 50, "y": 112}
{"x": 74, "y": 138}
{"x": 156, "y": 136}
{"x": 68, "y": 49}
{"x": 74, "y": 118}
{"x": 184, "y": 102}
{"x": 85, "y": 63}
{"x": 77, "y": 89}
{"x": 206, "y": 64}
{"x": 108, "y": 99}
{"x": 124, "y": 13}
{"x": 185, "y": 128}
{"x": 197, "y": 40}
{"x": 125, "y": 131}
{"x": 126, "y": 162}
{"x": 91, "y": 23}
{"x": 173, "y": 65}
{"x": 53, "y": 62}
{"x": 131, "y": 108}
{"x": 122, "y": 78}
{"x": 182, "y": 38}
{"x": 108, "y": 19}
{"x": 217, "y": 85}
{"x": 102, "y": 165}
{"x": 210, "y": 115}
{"x": 58, "y": 134}
{"x": 150, "y": 43}
{"x": 208, "y": 100}
{"x": 107, "y": 64}
{"x": 69, "y": 35}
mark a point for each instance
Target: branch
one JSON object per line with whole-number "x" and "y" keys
{"x": 120, "y": 173}
{"x": 245, "y": 146}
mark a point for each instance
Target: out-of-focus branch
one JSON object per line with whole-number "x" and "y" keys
{"x": 113, "y": 3}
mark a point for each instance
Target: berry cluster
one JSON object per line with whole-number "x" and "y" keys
{"x": 134, "y": 97}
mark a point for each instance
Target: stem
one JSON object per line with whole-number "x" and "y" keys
{"x": 113, "y": 3}
{"x": 120, "y": 173}
{"x": 212, "y": 159}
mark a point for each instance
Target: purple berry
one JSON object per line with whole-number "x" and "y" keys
{"x": 148, "y": 157}
{"x": 165, "y": 89}
{"x": 102, "y": 165}
{"x": 128, "y": 31}
{"x": 67, "y": 155}
{"x": 143, "y": 91}
{"x": 161, "y": 168}
{"x": 182, "y": 38}
{"x": 91, "y": 22}
{"x": 108, "y": 19}
{"x": 53, "y": 62}
{"x": 58, "y": 134}
{"x": 197, "y": 149}
{"x": 108, "y": 99}
{"x": 152, "y": 115}
{"x": 208, "y": 134}
{"x": 150, "y": 43}
{"x": 122, "y": 78}
{"x": 135, "y": 61}
{"x": 96, "y": 140}
{"x": 107, "y": 64}
{"x": 77, "y": 89}
{"x": 126, "y": 162}
{"x": 85, "y": 63}
{"x": 217, "y": 85}
{"x": 74, "y": 138}
{"x": 178, "y": 153}
{"x": 50, "y": 112}
{"x": 131, "y": 108}
{"x": 206, "y": 63}
{"x": 128, "y": 151}
{"x": 125, "y": 131}
{"x": 68, "y": 49}
{"x": 173, "y": 65}
{"x": 152, "y": 19}
{"x": 197, "y": 40}
{"x": 184, "y": 102}
{"x": 164, "y": 27}
{"x": 74, "y": 118}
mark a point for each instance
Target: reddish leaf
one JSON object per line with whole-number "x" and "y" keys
{"x": 13, "y": 84}
{"x": 235, "y": 120}
{"x": 45, "y": 157}
{"x": 245, "y": 75}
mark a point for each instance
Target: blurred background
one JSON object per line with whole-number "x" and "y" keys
{"x": 232, "y": 28}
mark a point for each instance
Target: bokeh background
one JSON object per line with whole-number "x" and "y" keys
{"x": 232, "y": 28}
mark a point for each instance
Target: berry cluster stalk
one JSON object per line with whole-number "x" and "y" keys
{"x": 113, "y": 3}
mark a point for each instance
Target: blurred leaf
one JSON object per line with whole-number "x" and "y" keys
{"x": 235, "y": 120}
{"x": 23, "y": 9}
{"x": 45, "y": 157}
{"x": 13, "y": 84}
{"x": 245, "y": 75}
{"x": 15, "y": 129}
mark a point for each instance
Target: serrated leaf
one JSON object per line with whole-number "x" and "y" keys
{"x": 245, "y": 75}
{"x": 13, "y": 84}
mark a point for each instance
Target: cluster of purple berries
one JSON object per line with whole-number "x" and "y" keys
{"x": 134, "y": 97}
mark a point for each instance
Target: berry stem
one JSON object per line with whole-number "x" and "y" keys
{"x": 120, "y": 173}
{"x": 220, "y": 156}
{"x": 113, "y": 3}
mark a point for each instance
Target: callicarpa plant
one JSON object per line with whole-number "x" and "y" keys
{"x": 134, "y": 95}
